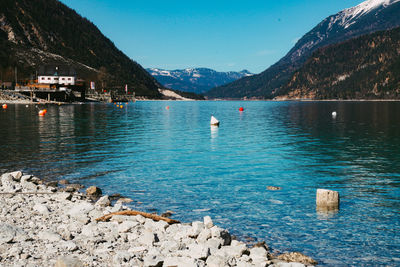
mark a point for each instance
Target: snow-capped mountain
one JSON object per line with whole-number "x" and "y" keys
{"x": 197, "y": 80}
{"x": 349, "y": 16}
{"x": 368, "y": 17}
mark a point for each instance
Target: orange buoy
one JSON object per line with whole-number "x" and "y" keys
{"x": 122, "y": 106}
{"x": 241, "y": 109}
{"x": 45, "y": 111}
{"x": 167, "y": 107}
{"x": 5, "y": 106}
{"x": 42, "y": 113}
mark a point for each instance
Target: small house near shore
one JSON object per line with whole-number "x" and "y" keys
{"x": 51, "y": 74}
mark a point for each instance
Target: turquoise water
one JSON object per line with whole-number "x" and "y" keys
{"x": 173, "y": 160}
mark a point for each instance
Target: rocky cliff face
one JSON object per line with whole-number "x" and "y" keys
{"x": 36, "y": 32}
{"x": 368, "y": 17}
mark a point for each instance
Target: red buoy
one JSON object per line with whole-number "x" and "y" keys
{"x": 42, "y": 113}
{"x": 5, "y": 106}
{"x": 167, "y": 107}
{"x": 241, "y": 109}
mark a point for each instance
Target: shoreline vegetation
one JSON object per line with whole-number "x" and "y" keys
{"x": 23, "y": 101}
{"x": 58, "y": 224}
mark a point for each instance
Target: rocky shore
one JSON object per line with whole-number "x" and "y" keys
{"x": 46, "y": 225}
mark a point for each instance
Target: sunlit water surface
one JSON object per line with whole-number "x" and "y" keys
{"x": 173, "y": 160}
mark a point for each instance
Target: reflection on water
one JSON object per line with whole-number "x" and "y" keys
{"x": 172, "y": 160}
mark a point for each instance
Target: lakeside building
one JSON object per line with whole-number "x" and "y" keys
{"x": 63, "y": 75}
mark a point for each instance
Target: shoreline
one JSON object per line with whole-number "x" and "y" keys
{"x": 45, "y": 225}
{"x": 23, "y": 102}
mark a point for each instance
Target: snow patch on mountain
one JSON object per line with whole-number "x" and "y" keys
{"x": 349, "y": 16}
{"x": 197, "y": 80}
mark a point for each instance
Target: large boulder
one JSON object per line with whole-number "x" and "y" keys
{"x": 93, "y": 191}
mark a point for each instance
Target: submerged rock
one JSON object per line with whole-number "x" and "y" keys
{"x": 274, "y": 188}
{"x": 297, "y": 257}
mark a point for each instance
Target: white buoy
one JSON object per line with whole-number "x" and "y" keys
{"x": 214, "y": 121}
{"x": 334, "y": 114}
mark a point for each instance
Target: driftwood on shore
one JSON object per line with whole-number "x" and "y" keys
{"x": 134, "y": 213}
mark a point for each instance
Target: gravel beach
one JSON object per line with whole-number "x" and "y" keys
{"x": 46, "y": 225}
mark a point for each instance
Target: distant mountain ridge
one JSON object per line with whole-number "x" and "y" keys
{"x": 196, "y": 80}
{"x": 367, "y": 67}
{"x": 367, "y": 17}
{"x": 38, "y": 32}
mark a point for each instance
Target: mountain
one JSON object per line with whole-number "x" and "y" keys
{"x": 198, "y": 80}
{"x": 367, "y": 67}
{"x": 367, "y": 17}
{"x": 38, "y": 32}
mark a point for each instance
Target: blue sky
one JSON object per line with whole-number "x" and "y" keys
{"x": 222, "y": 35}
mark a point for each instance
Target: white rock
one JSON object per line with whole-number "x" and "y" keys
{"x": 218, "y": 232}
{"x": 197, "y": 227}
{"x": 169, "y": 246}
{"x": 117, "y": 207}
{"x": 235, "y": 250}
{"x": 26, "y": 178}
{"x": 49, "y": 236}
{"x": 16, "y": 175}
{"x": 68, "y": 261}
{"x": 62, "y": 196}
{"x": 8, "y": 183}
{"x": 126, "y": 226}
{"x": 140, "y": 219}
{"x": 121, "y": 257}
{"x": 240, "y": 263}
{"x": 180, "y": 262}
{"x": 258, "y": 253}
{"x": 215, "y": 261}
{"x": 204, "y": 235}
{"x": 198, "y": 251}
{"x": 122, "y": 218}
{"x": 43, "y": 209}
{"x": 147, "y": 238}
{"x": 82, "y": 208}
{"x": 208, "y": 223}
{"x": 15, "y": 252}
{"x": 90, "y": 230}
{"x": 7, "y": 233}
{"x": 29, "y": 187}
{"x": 69, "y": 245}
{"x": 94, "y": 214}
{"x": 138, "y": 249}
{"x": 214, "y": 243}
{"x": 104, "y": 201}
{"x": 153, "y": 260}
{"x": 288, "y": 264}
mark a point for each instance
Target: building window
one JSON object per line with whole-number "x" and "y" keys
{"x": 63, "y": 79}
{"x": 48, "y": 79}
{"x": 69, "y": 79}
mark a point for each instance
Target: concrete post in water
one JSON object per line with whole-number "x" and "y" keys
{"x": 327, "y": 199}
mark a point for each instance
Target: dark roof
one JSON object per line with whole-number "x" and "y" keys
{"x": 58, "y": 70}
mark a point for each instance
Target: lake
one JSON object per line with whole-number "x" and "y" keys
{"x": 171, "y": 159}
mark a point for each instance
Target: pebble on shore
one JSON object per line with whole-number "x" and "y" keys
{"x": 41, "y": 225}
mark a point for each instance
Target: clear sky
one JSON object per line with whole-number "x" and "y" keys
{"x": 222, "y": 35}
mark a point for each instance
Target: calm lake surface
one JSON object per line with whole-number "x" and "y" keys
{"x": 173, "y": 160}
